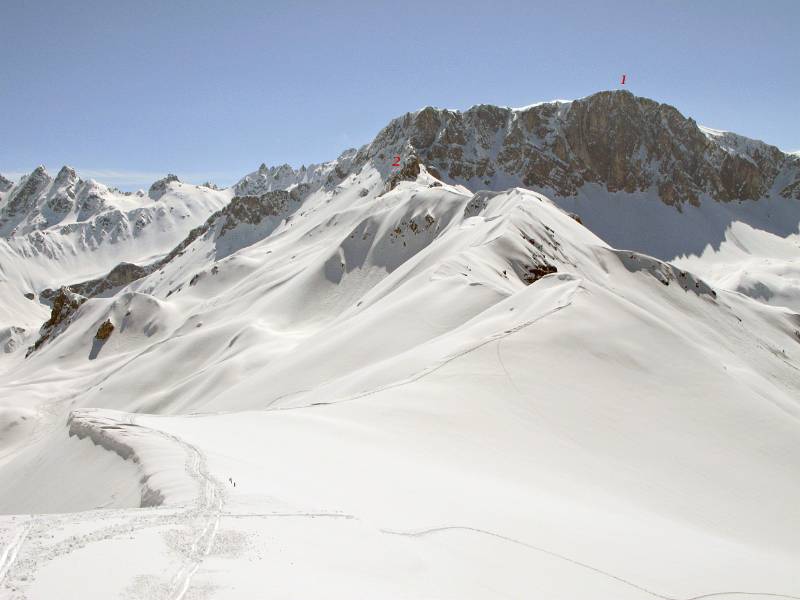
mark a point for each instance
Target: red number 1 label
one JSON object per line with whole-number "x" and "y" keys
{"x": 623, "y": 79}
{"x": 396, "y": 162}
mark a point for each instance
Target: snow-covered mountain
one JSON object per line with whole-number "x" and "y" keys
{"x": 519, "y": 364}
{"x": 57, "y": 231}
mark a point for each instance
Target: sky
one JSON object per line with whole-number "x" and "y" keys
{"x": 126, "y": 92}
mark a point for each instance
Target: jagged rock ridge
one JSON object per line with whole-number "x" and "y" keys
{"x": 615, "y": 139}
{"x": 247, "y": 210}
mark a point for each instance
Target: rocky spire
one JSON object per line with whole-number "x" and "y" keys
{"x": 24, "y": 196}
{"x": 65, "y": 176}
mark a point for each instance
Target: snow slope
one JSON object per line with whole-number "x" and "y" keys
{"x": 413, "y": 407}
{"x": 65, "y": 230}
{"x": 350, "y": 381}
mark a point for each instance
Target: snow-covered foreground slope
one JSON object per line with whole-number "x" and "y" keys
{"x": 416, "y": 393}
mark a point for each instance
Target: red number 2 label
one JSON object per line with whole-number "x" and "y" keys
{"x": 396, "y": 162}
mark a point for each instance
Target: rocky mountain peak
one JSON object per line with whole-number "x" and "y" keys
{"x": 39, "y": 172}
{"x": 613, "y": 139}
{"x": 61, "y": 197}
{"x": 159, "y": 188}
{"x": 23, "y": 198}
{"x": 66, "y": 176}
{"x": 5, "y": 184}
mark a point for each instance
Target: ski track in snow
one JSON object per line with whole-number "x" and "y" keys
{"x": 12, "y": 550}
{"x": 210, "y": 506}
{"x": 497, "y": 337}
{"x": 447, "y": 528}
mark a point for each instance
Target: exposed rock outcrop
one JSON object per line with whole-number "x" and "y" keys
{"x": 64, "y": 306}
{"x": 408, "y": 172}
{"x": 119, "y": 276}
{"x": 254, "y": 209}
{"x": 159, "y": 188}
{"x": 105, "y": 330}
{"x": 534, "y": 272}
{"x": 613, "y": 139}
{"x": 792, "y": 190}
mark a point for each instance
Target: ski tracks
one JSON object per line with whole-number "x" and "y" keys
{"x": 28, "y": 551}
{"x": 446, "y": 528}
{"x": 429, "y": 370}
{"x": 208, "y": 512}
{"x": 11, "y": 551}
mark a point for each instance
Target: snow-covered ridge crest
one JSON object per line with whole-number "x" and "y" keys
{"x": 557, "y": 101}
{"x": 735, "y": 143}
{"x": 160, "y": 459}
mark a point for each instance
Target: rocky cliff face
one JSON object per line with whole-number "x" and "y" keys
{"x": 63, "y": 308}
{"x": 118, "y": 277}
{"x": 253, "y": 210}
{"x": 614, "y": 139}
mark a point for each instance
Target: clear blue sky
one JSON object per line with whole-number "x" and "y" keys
{"x": 127, "y": 91}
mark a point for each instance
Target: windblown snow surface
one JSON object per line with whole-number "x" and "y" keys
{"x": 424, "y": 392}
